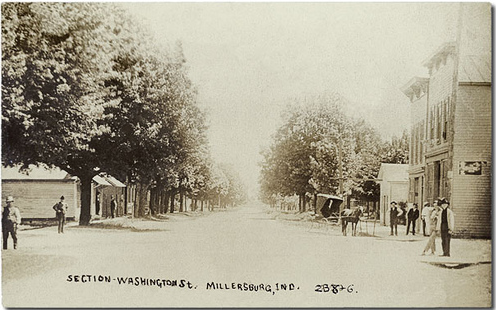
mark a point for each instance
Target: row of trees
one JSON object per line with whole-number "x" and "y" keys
{"x": 320, "y": 149}
{"x": 86, "y": 89}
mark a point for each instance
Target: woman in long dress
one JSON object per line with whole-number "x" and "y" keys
{"x": 431, "y": 243}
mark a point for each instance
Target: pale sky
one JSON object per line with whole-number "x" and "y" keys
{"x": 249, "y": 59}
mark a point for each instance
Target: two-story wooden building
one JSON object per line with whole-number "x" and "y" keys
{"x": 450, "y": 143}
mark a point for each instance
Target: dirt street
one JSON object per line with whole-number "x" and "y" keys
{"x": 241, "y": 257}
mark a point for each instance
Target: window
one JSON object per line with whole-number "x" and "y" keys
{"x": 412, "y": 145}
{"x": 447, "y": 118}
{"x": 438, "y": 123}
{"x": 417, "y": 144}
{"x": 437, "y": 179}
{"x": 416, "y": 190}
{"x": 421, "y": 141}
{"x": 431, "y": 136}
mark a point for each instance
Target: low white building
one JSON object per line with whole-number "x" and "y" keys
{"x": 38, "y": 189}
{"x": 393, "y": 179}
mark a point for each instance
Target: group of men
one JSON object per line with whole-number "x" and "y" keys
{"x": 437, "y": 219}
{"x": 11, "y": 218}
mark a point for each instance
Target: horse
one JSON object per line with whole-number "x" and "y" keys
{"x": 353, "y": 216}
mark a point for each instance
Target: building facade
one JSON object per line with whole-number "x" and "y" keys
{"x": 450, "y": 142}
{"x": 393, "y": 179}
{"x": 37, "y": 192}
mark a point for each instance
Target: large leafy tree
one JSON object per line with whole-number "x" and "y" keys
{"x": 321, "y": 149}
{"x": 307, "y": 148}
{"x": 396, "y": 151}
{"x": 86, "y": 90}
{"x": 55, "y": 57}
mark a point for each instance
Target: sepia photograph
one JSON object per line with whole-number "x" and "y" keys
{"x": 246, "y": 155}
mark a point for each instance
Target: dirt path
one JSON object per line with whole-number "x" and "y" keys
{"x": 217, "y": 256}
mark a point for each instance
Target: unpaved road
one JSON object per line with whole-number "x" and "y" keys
{"x": 238, "y": 249}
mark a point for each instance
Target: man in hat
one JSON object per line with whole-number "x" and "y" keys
{"x": 11, "y": 217}
{"x": 393, "y": 217}
{"x": 412, "y": 216}
{"x": 446, "y": 224}
{"x": 113, "y": 206}
{"x": 60, "y": 211}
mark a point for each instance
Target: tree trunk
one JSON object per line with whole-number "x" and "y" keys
{"x": 139, "y": 210}
{"x": 85, "y": 216}
{"x": 163, "y": 201}
{"x": 315, "y": 203}
{"x": 201, "y": 202}
{"x": 181, "y": 201}
{"x": 172, "y": 199}
{"x": 166, "y": 201}
{"x": 153, "y": 195}
{"x": 153, "y": 201}
{"x": 157, "y": 200}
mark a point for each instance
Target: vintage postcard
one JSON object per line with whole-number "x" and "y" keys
{"x": 180, "y": 155}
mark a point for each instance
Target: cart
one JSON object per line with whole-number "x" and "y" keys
{"x": 329, "y": 206}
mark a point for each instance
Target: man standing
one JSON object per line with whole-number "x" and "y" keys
{"x": 446, "y": 224}
{"x": 413, "y": 215}
{"x": 435, "y": 210}
{"x": 11, "y": 217}
{"x": 393, "y": 217}
{"x": 60, "y": 211}
{"x": 113, "y": 206}
{"x": 97, "y": 203}
{"x": 426, "y": 218}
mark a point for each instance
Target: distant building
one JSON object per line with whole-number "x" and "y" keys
{"x": 36, "y": 191}
{"x": 393, "y": 179}
{"x": 450, "y": 142}
{"x": 106, "y": 186}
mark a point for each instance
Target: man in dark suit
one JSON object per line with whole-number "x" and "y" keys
{"x": 446, "y": 224}
{"x": 60, "y": 209}
{"x": 393, "y": 217}
{"x": 113, "y": 206}
{"x": 412, "y": 215}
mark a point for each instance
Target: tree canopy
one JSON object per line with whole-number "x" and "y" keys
{"x": 86, "y": 89}
{"x": 318, "y": 142}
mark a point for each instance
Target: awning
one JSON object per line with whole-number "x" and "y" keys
{"x": 114, "y": 182}
{"x": 100, "y": 181}
{"x": 330, "y": 196}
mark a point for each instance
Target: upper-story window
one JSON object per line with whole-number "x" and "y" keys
{"x": 422, "y": 130}
{"x": 439, "y": 121}
{"x": 446, "y": 117}
{"x": 431, "y": 121}
{"x": 416, "y": 143}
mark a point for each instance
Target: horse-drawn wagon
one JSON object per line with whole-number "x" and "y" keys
{"x": 331, "y": 211}
{"x": 329, "y": 206}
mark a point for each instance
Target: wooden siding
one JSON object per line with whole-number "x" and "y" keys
{"x": 397, "y": 191}
{"x": 471, "y": 194}
{"x": 418, "y": 110}
{"x": 35, "y": 199}
{"x": 105, "y": 198}
{"x": 441, "y": 82}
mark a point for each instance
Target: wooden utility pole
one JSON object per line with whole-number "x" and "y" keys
{"x": 340, "y": 155}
